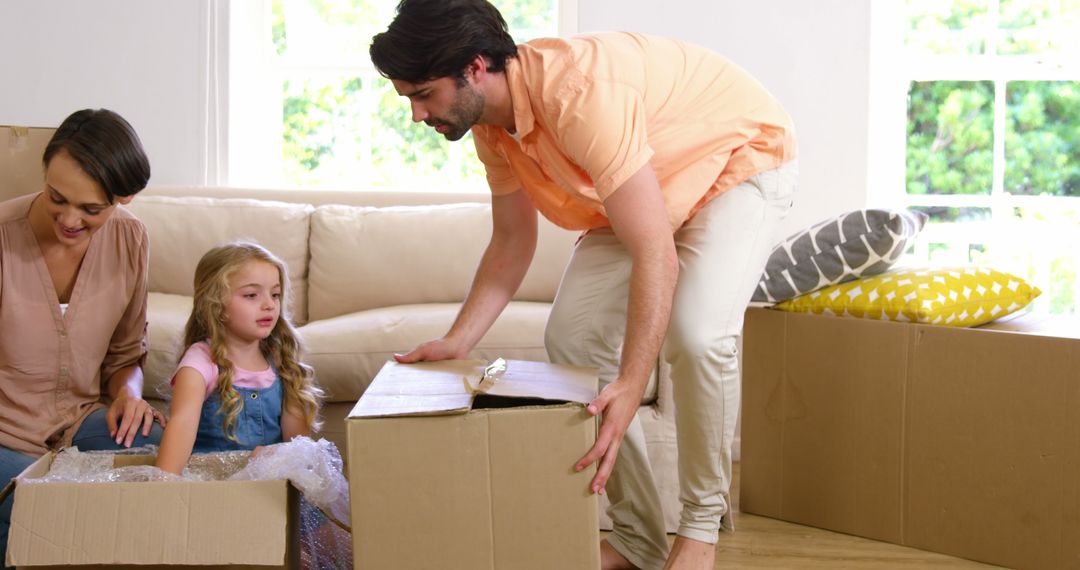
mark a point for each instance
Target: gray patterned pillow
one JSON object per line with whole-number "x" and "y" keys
{"x": 852, "y": 245}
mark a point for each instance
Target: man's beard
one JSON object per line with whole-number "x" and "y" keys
{"x": 465, "y": 112}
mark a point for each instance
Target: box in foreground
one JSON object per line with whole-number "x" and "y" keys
{"x": 203, "y": 524}
{"x": 441, "y": 477}
{"x": 959, "y": 441}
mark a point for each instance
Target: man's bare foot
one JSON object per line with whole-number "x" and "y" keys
{"x": 690, "y": 554}
{"x": 610, "y": 559}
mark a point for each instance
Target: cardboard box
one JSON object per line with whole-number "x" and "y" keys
{"x": 20, "y": 160}
{"x": 442, "y": 478}
{"x": 204, "y": 524}
{"x": 959, "y": 441}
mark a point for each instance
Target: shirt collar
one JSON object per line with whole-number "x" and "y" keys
{"x": 519, "y": 97}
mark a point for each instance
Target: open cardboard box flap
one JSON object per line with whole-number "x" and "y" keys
{"x": 450, "y": 386}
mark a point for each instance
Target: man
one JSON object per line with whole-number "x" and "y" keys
{"x": 678, "y": 166}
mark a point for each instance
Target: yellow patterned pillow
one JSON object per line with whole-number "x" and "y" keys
{"x": 955, "y": 297}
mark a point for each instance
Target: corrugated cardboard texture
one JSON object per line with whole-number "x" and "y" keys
{"x": 197, "y": 523}
{"x": 960, "y": 441}
{"x": 20, "y": 160}
{"x": 487, "y": 489}
{"x": 829, "y": 437}
{"x": 483, "y": 489}
{"x": 993, "y": 448}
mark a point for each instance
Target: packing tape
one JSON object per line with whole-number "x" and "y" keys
{"x": 492, "y": 373}
{"x": 18, "y": 137}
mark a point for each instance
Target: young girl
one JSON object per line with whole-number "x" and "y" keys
{"x": 240, "y": 383}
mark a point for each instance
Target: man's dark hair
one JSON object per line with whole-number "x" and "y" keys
{"x": 429, "y": 39}
{"x": 107, "y": 149}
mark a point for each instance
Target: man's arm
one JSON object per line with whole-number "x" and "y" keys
{"x": 639, "y": 218}
{"x": 501, "y": 270}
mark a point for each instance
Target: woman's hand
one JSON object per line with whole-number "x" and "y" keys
{"x": 125, "y": 416}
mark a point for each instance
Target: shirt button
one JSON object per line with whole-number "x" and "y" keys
{"x": 63, "y": 334}
{"x": 63, "y": 370}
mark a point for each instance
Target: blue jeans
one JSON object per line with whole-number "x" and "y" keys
{"x": 11, "y": 464}
{"x": 93, "y": 434}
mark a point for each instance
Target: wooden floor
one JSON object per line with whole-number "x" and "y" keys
{"x": 760, "y": 542}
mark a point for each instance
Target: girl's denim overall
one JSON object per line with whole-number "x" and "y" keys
{"x": 259, "y": 421}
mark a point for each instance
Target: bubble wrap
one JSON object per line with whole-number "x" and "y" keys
{"x": 314, "y": 467}
{"x": 74, "y": 466}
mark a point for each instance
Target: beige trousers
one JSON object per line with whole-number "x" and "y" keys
{"x": 722, "y": 252}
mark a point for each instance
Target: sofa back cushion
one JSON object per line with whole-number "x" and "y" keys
{"x": 364, "y": 258}
{"x": 183, "y": 229}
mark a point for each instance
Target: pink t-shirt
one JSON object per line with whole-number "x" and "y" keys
{"x": 197, "y": 357}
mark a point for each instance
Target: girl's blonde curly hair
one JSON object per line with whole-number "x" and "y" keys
{"x": 283, "y": 348}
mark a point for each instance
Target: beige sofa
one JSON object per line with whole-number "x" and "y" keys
{"x": 373, "y": 273}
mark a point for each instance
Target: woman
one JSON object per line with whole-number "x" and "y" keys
{"x": 73, "y": 286}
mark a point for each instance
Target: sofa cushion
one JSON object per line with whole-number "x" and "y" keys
{"x": 183, "y": 229}
{"x": 348, "y": 351}
{"x": 366, "y": 258}
{"x": 166, "y": 316}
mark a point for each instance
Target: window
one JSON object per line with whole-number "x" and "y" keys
{"x": 993, "y": 136}
{"x": 308, "y": 109}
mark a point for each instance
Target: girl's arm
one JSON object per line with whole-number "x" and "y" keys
{"x": 292, "y": 424}
{"x": 189, "y": 393}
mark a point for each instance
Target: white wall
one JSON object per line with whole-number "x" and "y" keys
{"x": 813, "y": 56}
{"x": 144, "y": 60}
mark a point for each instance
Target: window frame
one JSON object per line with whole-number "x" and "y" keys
{"x": 891, "y": 73}
{"x": 254, "y": 70}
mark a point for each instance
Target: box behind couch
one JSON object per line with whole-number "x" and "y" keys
{"x": 959, "y": 441}
{"x": 21, "y": 149}
{"x": 440, "y": 478}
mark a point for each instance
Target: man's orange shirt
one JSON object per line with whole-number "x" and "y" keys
{"x": 591, "y": 111}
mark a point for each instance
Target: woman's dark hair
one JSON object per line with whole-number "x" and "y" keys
{"x": 107, "y": 149}
{"x": 429, "y": 39}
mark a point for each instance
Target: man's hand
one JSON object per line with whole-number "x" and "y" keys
{"x": 132, "y": 412}
{"x": 618, "y": 402}
{"x": 438, "y": 349}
